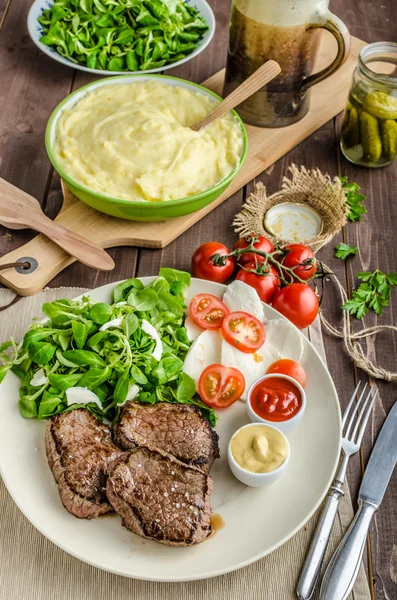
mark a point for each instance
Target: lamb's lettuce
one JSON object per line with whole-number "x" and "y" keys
{"x": 73, "y": 351}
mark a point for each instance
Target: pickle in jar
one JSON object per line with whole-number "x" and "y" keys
{"x": 381, "y": 105}
{"x": 389, "y": 138}
{"x": 351, "y": 128}
{"x": 370, "y": 135}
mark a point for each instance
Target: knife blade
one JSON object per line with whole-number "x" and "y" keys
{"x": 343, "y": 568}
{"x": 382, "y": 461}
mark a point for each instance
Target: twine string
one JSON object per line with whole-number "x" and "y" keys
{"x": 350, "y": 338}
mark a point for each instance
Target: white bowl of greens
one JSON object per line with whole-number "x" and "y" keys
{"x": 109, "y": 37}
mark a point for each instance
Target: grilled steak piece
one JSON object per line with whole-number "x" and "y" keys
{"x": 79, "y": 450}
{"x": 161, "y": 498}
{"x": 179, "y": 429}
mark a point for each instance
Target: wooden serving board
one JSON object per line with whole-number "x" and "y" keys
{"x": 265, "y": 146}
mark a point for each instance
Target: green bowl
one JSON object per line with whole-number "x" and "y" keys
{"x": 132, "y": 209}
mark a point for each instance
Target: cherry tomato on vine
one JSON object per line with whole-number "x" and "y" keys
{"x": 208, "y": 311}
{"x": 297, "y": 254}
{"x": 204, "y": 268}
{"x": 220, "y": 386}
{"x": 263, "y": 244}
{"x": 298, "y": 303}
{"x": 287, "y": 366}
{"x": 266, "y": 285}
{"x": 243, "y": 331}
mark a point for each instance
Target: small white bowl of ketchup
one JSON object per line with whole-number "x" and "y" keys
{"x": 277, "y": 400}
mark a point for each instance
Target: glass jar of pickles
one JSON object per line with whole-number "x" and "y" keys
{"x": 369, "y": 127}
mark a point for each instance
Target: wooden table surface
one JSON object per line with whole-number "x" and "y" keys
{"x": 31, "y": 85}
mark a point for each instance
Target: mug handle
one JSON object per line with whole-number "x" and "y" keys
{"x": 324, "y": 19}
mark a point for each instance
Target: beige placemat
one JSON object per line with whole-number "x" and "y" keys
{"x": 32, "y": 568}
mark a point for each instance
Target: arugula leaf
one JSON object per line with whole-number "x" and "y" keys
{"x": 354, "y": 200}
{"x": 173, "y": 276}
{"x": 84, "y": 358}
{"x": 342, "y": 251}
{"x": 41, "y": 352}
{"x": 101, "y": 313}
{"x": 373, "y": 293}
{"x": 186, "y": 388}
{"x": 79, "y": 330}
{"x": 142, "y": 300}
{"x": 167, "y": 369}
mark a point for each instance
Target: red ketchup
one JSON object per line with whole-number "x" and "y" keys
{"x": 276, "y": 399}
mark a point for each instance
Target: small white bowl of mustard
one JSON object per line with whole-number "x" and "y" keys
{"x": 258, "y": 454}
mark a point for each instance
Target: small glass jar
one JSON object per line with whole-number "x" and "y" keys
{"x": 369, "y": 127}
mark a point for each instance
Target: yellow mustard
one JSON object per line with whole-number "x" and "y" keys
{"x": 259, "y": 448}
{"x": 133, "y": 141}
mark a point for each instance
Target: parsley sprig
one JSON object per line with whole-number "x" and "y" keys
{"x": 353, "y": 199}
{"x": 373, "y": 293}
{"x": 342, "y": 251}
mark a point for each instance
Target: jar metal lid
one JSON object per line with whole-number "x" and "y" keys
{"x": 293, "y": 222}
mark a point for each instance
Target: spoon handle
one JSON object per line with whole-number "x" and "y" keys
{"x": 255, "y": 82}
{"x": 73, "y": 243}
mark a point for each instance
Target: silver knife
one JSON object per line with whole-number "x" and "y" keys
{"x": 342, "y": 571}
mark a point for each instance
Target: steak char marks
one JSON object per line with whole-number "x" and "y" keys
{"x": 177, "y": 429}
{"x": 79, "y": 449}
{"x": 161, "y": 498}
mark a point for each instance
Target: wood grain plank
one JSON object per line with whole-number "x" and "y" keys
{"x": 31, "y": 85}
{"x": 374, "y": 237}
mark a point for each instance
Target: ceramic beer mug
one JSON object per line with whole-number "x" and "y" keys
{"x": 286, "y": 31}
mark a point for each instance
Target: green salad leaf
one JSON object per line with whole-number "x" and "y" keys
{"x": 72, "y": 349}
{"x": 120, "y": 35}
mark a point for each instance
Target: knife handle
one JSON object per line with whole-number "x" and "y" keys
{"x": 342, "y": 571}
{"x": 319, "y": 544}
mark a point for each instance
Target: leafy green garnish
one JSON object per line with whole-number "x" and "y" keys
{"x": 72, "y": 351}
{"x": 120, "y": 35}
{"x": 373, "y": 293}
{"x": 342, "y": 251}
{"x": 353, "y": 199}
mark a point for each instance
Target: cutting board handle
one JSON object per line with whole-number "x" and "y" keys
{"x": 46, "y": 260}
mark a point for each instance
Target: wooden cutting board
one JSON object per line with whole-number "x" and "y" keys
{"x": 265, "y": 146}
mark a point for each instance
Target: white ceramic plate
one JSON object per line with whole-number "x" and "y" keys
{"x": 35, "y": 30}
{"x": 257, "y": 520}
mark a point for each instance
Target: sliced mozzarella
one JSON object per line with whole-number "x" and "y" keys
{"x": 39, "y": 378}
{"x": 81, "y": 395}
{"x": 193, "y": 330}
{"x": 205, "y": 351}
{"x": 240, "y": 296}
{"x": 112, "y": 323}
{"x": 251, "y": 366}
{"x": 285, "y": 338}
{"x": 152, "y": 332}
{"x": 133, "y": 391}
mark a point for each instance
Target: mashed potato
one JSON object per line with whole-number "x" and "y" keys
{"x": 133, "y": 141}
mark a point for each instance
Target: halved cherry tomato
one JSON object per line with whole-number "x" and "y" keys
{"x": 299, "y": 254}
{"x": 263, "y": 244}
{"x": 298, "y": 303}
{"x": 266, "y": 285}
{"x": 243, "y": 331}
{"x": 287, "y": 366}
{"x": 203, "y": 268}
{"x": 220, "y": 386}
{"x": 208, "y": 311}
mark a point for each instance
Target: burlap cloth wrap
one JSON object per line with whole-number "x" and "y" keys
{"x": 305, "y": 187}
{"x": 32, "y": 568}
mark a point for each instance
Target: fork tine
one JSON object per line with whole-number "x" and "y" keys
{"x": 355, "y": 411}
{"x": 348, "y": 407}
{"x": 364, "y": 421}
{"x": 360, "y": 414}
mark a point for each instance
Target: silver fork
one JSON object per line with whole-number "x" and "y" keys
{"x": 353, "y": 426}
